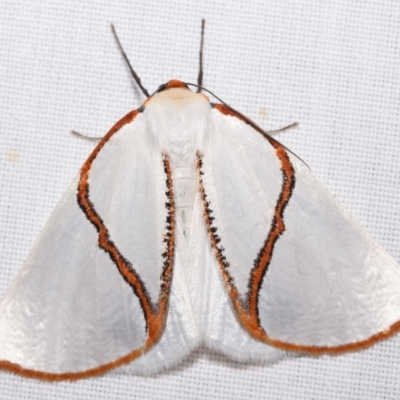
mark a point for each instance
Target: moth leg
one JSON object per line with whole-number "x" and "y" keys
{"x": 90, "y": 138}
{"x": 286, "y": 128}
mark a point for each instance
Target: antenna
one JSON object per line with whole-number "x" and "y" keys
{"x": 133, "y": 73}
{"x": 200, "y": 76}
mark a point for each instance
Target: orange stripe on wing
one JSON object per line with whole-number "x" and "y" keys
{"x": 344, "y": 348}
{"x": 157, "y": 320}
{"x": 264, "y": 257}
{"x": 48, "y": 376}
{"x": 104, "y": 241}
{"x": 223, "y": 109}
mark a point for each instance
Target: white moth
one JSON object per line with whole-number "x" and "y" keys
{"x": 189, "y": 225}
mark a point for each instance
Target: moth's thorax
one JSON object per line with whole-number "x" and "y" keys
{"x": 179, "y": 122}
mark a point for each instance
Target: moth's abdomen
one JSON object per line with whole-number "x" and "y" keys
{"x": 185, "y": 185}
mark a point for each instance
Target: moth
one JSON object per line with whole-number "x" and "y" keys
{"x": 187, "y": 225}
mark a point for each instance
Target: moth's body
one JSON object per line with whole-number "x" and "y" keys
{"x": 187, "y": 115}
{"x": 187, "y": 225}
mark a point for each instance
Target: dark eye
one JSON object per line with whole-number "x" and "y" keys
{"x": 162, "y": 87}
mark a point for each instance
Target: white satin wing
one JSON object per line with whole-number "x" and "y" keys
{"x": 73, "y": 311}
{"x": 329, "y": 284}
{"x": 301, "y": 273}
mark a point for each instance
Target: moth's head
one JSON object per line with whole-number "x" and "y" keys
{"x": 176, "y": 91}
{"x": 172, "y": 84}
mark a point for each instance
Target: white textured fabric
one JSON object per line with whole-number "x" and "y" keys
{"x": 332, "y": 66}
